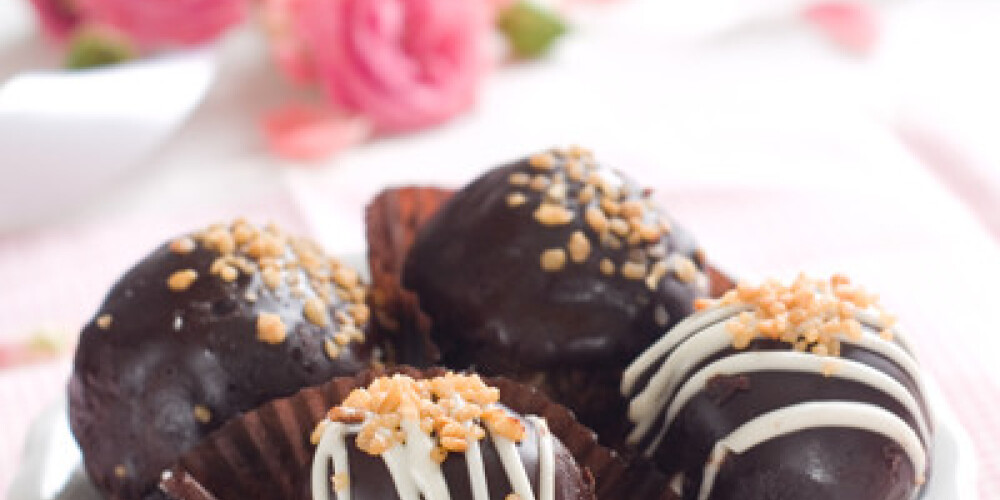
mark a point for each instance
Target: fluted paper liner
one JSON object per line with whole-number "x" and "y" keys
{"x": 267, "y": 454}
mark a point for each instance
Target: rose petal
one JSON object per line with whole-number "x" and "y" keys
{"x": 301, "y": 132}
{"x": 851, "y": 26}
{"x": 162, "y": 23}
{"x": 404, "y": 64}
{"x": 57, "y": 18}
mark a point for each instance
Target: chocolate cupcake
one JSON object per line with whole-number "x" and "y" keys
{"x": 438, "y": 438}
{"x": 407, "y": 434}
{"x": 801, "y": 391}
{"x": 554, "y": 270}
{"x": 209, "y": 325}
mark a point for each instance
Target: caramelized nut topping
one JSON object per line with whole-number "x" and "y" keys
{"x": 553, "y": 259}
{"x": 553, "y": 215}
{"x": 183, "y": 245}
{"x": 579, "y": 247}
{"x": 270, "y": 328}
{"x": 315, "y": 311}
{"x": 607, "y": 267}
{"x": 104, "y": 321}
{"x": 182, "y": 280}
{"x": 454, "y": 410}
{"x": 202, "y": 414}
{"x": 808, "y": 315}
{"x": 515, "y": 200}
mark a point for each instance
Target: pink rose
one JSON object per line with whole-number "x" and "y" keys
{"x": 58, "y": 17}
{"x": 402, "y": 64}
{"x": 155, "y": 24}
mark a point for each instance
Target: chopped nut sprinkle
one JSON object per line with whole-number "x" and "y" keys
{"x": 607, "y": 267}
{"x": 520, "y": 179}
{"x": 345, "y": 277}
{"x": 579, "y": 247}
{"x": 183, "y": 245}
{"x": 556, "y": 192}
{"x": 553, "y": 259}
{"x": 182, "y": 280}
{"x": 685, "y": 269}
{"x": 619, "y": 227}
{"x": 621, "y": 216}
{"x": 360, "y": 313}
{"x": 342, "y": 338}
{"x": 542, "y": 161}
{"x": 315, "y": 311}
{"x": 633, "y": 270}
{"x": 202, "y": 414}
{"x": 553, "y": 215}
{"x": 610, "y": 207}
{"x": 454, "y": 410}
{"x": 810, "y": 315}
{"x": 596, "y": 219}
{"x": 229, "y": 273}
{"x": 631, "y": 208}
{"x": 540, "y": 183}
{"x": 104, "y": 321}
{"x": 284, "y": 263}
{"x": 515, "y": 200}
{"x": 121, "y": 471}
{"x": 656, "y": 273}
{"x": 341, "y": 482}
{"x": 331, "y": 349}
{"x": 272, "y": 277}
{"x": 270, "y": 328}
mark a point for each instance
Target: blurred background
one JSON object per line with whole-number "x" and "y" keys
{"x": 856, "y": 137}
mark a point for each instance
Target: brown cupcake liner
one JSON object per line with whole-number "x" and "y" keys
{"x": 267, "y": 454}
{"x": 393, "y": 219}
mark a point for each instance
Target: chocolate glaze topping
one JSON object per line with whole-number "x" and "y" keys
{"x": 555, "y": 270}
{"x": 204, "y": 328}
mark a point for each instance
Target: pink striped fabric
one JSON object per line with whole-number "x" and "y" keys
{"x": 926, "y": 254}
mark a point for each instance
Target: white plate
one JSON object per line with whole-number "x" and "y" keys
{"x": 51, "y": 467}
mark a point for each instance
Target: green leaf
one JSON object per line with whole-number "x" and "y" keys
{"x": 530, "y": 28}
{"x": 91, "y": 48}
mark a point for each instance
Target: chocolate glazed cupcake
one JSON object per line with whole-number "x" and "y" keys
{"x": 207, "y": 326}
{"x": 406, "y": 434}
{"x": 801, "y": 391}
{"x": 556, "y": 271}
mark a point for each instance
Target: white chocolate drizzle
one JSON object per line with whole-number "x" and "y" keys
{"x": 791, "y": 361}
{"x": 546, "y": 460}
{"x": 813, "y": 415}
{"x": 331, "y": 447}
{"x": 669, "y": 364}
{"x": 416, "y": 476}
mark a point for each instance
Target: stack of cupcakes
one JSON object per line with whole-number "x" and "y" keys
{"x": 534, "y": 335}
